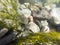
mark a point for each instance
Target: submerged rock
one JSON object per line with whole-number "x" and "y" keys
{"x": 33, "y": 27}
{"x": 45, "y": 26}
{"x": 55, "y": 13}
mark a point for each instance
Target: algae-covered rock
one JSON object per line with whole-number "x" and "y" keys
{"x": 8, "y": 13}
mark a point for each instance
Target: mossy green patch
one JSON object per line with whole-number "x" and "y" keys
{"x": 52, "y": 37}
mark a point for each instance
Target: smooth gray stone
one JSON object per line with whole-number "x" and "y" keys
{"x": 55, "y": 16}
{"x": 3, "y": 32}
{"x": 33, "y": 27}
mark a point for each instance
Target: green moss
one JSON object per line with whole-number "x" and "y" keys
{"x": 52, "y": 37}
